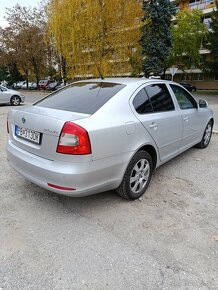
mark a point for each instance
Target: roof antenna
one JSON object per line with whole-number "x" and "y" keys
{"x": 98, "y": 68}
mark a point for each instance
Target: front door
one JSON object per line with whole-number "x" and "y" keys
{"x": 191, "y": 116}
{"x": 156, "y": 111}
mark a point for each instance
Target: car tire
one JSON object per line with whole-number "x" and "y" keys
{"x": 15, "y": 101}
{"x": 137, "y": 176}
{"x": 206, "y": 136}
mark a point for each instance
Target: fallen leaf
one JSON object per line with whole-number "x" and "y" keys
{"x": 216, "y": 238}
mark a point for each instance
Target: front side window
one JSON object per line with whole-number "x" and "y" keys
{"x": 142, "y": 103}
{"x": 160, "y": 98}
{"x": 184, "y": 99}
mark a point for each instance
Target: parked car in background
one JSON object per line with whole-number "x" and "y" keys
{"x": 24, "y": 86}
{"x": 55, "y": 86}
{"x": 52, "y": 86}
{"x": 98, "y": 135}
{"x": 188, "y": 86}
{"x": 8, "y": 96}
{"x": 33, "y": 86}
{"x": 19, "y": 85}
{"x": 60, "y": 85}
{"x": 43, "y": 84}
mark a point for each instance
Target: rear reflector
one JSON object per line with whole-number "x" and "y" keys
{"x": 74, "y": 140}
{"x": 60, "y": 187}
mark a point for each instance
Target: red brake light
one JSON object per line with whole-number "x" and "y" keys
{"x": 74, "y": 140}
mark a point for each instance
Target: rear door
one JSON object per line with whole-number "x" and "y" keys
{"x": 156, "y": 110}
{"x": 193, "y": 119}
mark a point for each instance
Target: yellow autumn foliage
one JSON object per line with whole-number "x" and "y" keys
{"x": 95, "y": 36}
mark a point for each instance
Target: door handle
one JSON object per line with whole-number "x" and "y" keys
{"x": 153, "y": 125}
{"x": 185, "y": 118}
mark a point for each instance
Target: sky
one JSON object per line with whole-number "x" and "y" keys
{"x": 11, "y": 3}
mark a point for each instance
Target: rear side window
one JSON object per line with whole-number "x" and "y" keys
{"x": 160, "y": 97}
{"x": 142, "y": 103}
{"x": 84, "y": 98}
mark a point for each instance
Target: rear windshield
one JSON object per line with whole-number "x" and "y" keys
{"x": 84, "y": 98}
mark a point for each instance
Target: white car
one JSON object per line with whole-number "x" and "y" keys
{"x": 8, "y": 96}
{"x": 19, "y": 85}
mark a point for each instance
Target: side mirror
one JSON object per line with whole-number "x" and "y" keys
{"x": 203, "y": 104}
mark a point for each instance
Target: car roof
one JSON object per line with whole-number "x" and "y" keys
{"x": 123, "y": 81}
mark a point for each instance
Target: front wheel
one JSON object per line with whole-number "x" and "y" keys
{"x": 137, "y": 176}
{"x": 206, "y": 136}
{"x": 15, "y": 101}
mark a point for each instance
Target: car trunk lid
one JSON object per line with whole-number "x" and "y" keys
{"x": 48, "y": 122}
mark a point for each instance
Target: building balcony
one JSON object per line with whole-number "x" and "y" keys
{"x": 205, "y": 6}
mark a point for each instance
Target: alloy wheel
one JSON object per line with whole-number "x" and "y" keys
{"x": 139, "y": 175}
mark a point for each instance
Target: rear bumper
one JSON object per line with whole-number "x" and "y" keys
{"x": 86, "y": 178}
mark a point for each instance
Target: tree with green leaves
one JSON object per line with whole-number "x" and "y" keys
{"x": 156, "y": 38}
{"x": 213, "y": 43}
{"x": 188, "y": 34}
{"x": 23, "y": 41}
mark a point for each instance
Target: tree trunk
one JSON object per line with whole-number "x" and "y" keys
{"x": 64, "y": 69}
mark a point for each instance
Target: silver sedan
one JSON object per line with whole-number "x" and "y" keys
{"x": 98, "y": 135}
{"x": 8, "y": 96}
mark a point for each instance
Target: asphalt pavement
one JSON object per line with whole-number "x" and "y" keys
{"x": 166, "y": 240}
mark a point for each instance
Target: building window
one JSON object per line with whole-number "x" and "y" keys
{"x": 207, "y": 21}
{"x": 198, "y": 77}
{"x": 194, "y": 1}
{"x": 187, "y": 77}
{"x": 184, "y": 77}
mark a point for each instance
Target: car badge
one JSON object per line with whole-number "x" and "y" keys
{"x": 23, "y": 120}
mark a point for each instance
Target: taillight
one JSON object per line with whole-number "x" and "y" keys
{"x": 74, "y": 140}
{"x": 7, "y": 126}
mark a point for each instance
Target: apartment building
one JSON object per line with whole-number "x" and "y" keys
{"x": 195, "y": 75}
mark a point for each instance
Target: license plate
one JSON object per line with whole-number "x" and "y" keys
{"x": 27, "y": 134}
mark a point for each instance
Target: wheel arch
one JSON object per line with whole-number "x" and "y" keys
{"x": 152, "y": 151}
{"x": 212, "y": 119}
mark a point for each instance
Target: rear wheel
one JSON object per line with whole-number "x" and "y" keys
{"x": 15, "y": 101}
{"x": 206, "y": 136}
{"x": 137, "y": 176}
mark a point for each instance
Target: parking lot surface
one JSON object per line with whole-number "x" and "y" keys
{"x": 166, "y": 240}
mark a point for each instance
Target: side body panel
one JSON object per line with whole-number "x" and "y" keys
{"x": 4, "y": 97}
